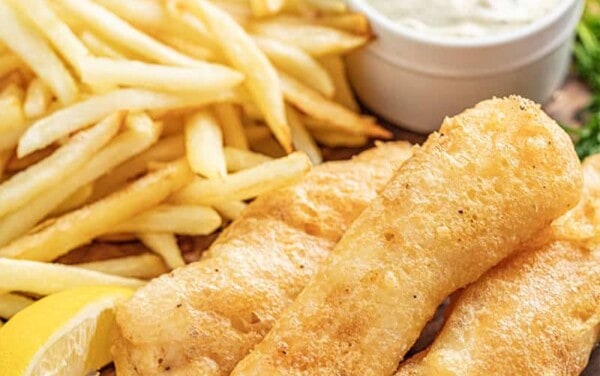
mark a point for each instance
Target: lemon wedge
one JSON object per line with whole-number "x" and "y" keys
{"x": 68, "y": 333}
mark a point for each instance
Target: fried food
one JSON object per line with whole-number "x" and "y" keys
{"x": 204, "y": 145}
{"x": 56, "y": 238}
{"x": 22, "y": 275}
{"x": 246, "y": 184}
{"x": 205, "y": 317}
{"x": 536, "y": 314}
{"x": 491, "y": 179}
{"x": 145, "y": 266}
{"x": 27, "y": 184}
{"x": 33, "y": 49}
{"x": 190, "y": 79}
{"x": 244, "y": 54}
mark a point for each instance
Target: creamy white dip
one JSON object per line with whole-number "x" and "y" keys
{"x": 464, "y": 18}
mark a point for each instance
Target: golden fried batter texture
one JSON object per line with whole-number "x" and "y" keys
{"x": 536, "y": 314}
{"x": 203, "y": 318}
{"x": 489, "y": 181}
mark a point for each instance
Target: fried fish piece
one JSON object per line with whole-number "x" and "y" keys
{"x": 535, "y": 314}
{"x": 490, "y": 180}
{"x": 203, "y": 318}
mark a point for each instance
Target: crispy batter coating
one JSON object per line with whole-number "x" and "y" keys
{"x": 535, "y": 314}
{"x": 203, "y": 318}
{"x": 492, "y": 178}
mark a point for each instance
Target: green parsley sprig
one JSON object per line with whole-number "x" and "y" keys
{"x": 587, "y": 65}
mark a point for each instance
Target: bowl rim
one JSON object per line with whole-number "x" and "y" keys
{"x": 398, "y": 30}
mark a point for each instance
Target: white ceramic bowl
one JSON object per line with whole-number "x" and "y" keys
{"x": 415, "y": 80}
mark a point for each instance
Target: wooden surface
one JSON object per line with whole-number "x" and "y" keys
{"x": 563, "y": 107}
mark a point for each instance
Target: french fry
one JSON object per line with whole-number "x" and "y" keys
{"x": 246, "y": 184}
{"x": 178, "y": 113}
{"x": 80, "y": 226}
{"x": 10, "y": 139}
{"x": 230, "y": 119}
{"x": 11, "y": 111}
{"x": 22, "y": 275}
{"x": 13, "y": 90}
{"x": 37, "y": 99}
{"x": 245, "y": 56}
{"x": 144, "y": 266}
{"x": 343, "y": 92}
{"x": 12, "y": 121}
{"x": 297, "y": 63}
{"x": 58, "y": 33}
{"x": 238, "y": 159}
{"x": 152, "y": 17}
{"x": 166, "y": 150}
{"x": 230, "y": 210}
{"x": 181, "y": 220}
{"x": 333, "y": 115}
{"x": 328, "y": 6}
{"x": 240, "y": 11}
{"x": 8, "y": 63}
{"x": 336, "y": 139}
{"x": 75, "y": 200}
{"x": 100, "y": 48}
{"x": 11, "y": 304}
{"x": 204, "y": 145}
{"x": 70, "y": 119}
{"x": 203, "y": 77}
{"x": 301, "y": 139}
{"x": 200, "y": 31}
{"x": 27, "y": 184}
{"x": 113, "y": 28}
{"x": 189, "y": 48}
{"x": 261, "y": 8}
{"x": 356, "y": 23}
{"x": 316, "y": 40}
{"x": 144, "y": 14}
{"x": 35, "y": 52}
{"x": 141, "y": 133}
{"x": 166, "y": 246}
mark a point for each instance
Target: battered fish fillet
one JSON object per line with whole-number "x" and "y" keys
{"x": 492, "y": 178}
{"x": 203, "y": 318}
{"x": 536, "y": 314}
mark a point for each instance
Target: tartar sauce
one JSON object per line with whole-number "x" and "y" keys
{"x": 464, "y": 18}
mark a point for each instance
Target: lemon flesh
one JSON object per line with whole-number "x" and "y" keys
{"x": 68, "y": 333}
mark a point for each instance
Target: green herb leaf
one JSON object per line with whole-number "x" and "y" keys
{"x": 587, "y": 65}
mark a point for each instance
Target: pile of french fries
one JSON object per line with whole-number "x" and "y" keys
{"x": 149, "y": 119}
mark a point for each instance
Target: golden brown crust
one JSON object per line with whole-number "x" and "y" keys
{"x": 203, "y": 318}
{"x": 489, "y": 181}
{"x": 536, "y": 314}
